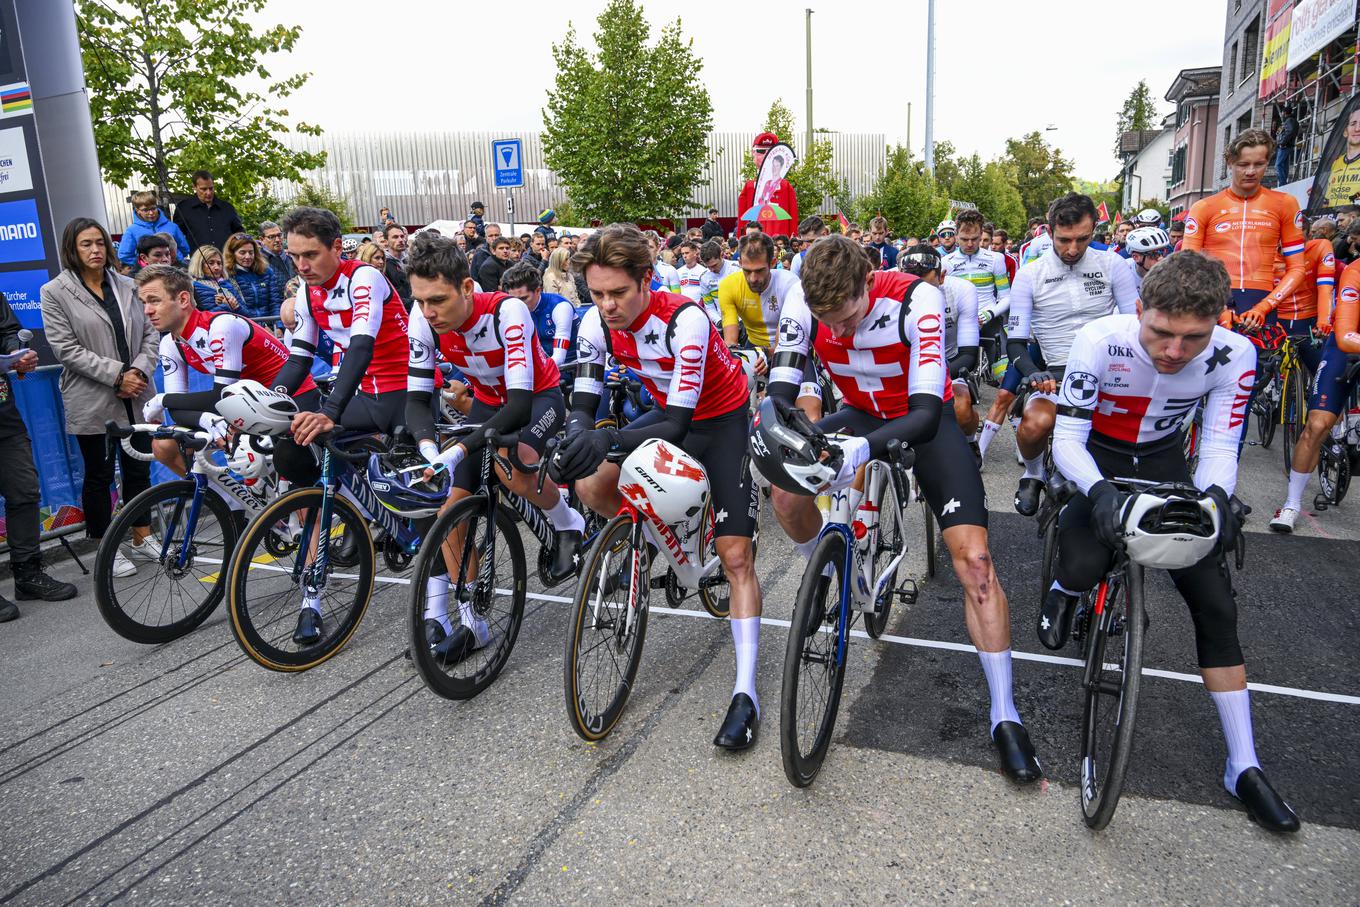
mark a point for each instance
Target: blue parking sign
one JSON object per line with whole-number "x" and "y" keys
{"x": 508, "y": 160}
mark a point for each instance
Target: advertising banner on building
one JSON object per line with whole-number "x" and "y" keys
{"x": 1275, "y": 51}
{"x": 1314, "y": 23}
{"x": 1338, "y": 177}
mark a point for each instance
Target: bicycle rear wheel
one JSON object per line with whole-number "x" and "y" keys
{"x": 814, "y": 665}
{"x": 1110, "y": 680}
{"x": 1334, "y": 470}
{"x": 607, "y": 631}
{"x": 496, "y": 595}
{"x": 890, "y": 539}
{"x": 265, "y": 593}
{"x": 165, "y": 599}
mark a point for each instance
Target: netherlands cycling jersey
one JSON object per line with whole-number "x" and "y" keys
{"x": 1052, "y": 299}
{"x": 226, "y": 346}
{"x": 1314, "y": 295}
{"x": 960, "y": 315}
{"x": 759, "y": 313}
{"x": 1248, "y": 235}
{"x": 553, "y": 319}
{"x": 708, "y": 288}
{"x": 1035, "y": 248}
{"x": 673, "y": 348}
{"x": 896, "y": 350}
{"x": 495, "y": 350}
{"x": 1113, "y": 388}
{"x": 986, "y": 270}
{"x": 357, "y": 301}
{"x": 689, "y": 281}
{"x": 1346, "y": 318}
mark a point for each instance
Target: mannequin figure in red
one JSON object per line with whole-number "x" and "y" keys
{"x": 784, "y": 195}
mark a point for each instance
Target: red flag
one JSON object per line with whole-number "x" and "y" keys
{"x": 1104, "y": 214}
{"x": 1116, "y": 219}
{"x": 845, "y": 224}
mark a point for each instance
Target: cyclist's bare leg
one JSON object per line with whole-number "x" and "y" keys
{"x": 739, "y": 565}
{"x": 525, "y": 484}
{"x": 964, "y": 413}
{"x": 600, "y": 490}
{"x": 798, "y": 516}
{"x": 1035, "y": 428}
{"x": 985, "y": 609}
{"x": 168, "y": 455}
{"x": 996, "y": 414}
{"x": 810, "y": 405}
{"x": 1316, "y": 430}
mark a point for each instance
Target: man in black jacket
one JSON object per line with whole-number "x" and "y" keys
{"x": 206, "y": 219}
{"x": 711, "y": 228}
{"x": 501, "y": 260}
{"x": 19, "y": 484}
{"x": 394, "y": 269}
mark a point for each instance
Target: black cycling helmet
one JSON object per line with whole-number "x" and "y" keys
{"x": 920, "y": 260}
{"x": 787, "y": 449}
{"x": 396, "y": 480}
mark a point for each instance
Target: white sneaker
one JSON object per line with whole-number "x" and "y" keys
{"x": 122, "y": 566}
{"x": 148, "y": 550}
{"x": 1284, "y": 518}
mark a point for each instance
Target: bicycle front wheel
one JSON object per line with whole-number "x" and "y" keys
{"x": 1266, "y": 409}
{"x": 814, "y": 665}
{"x": 170, "y": 596}
{"x": 1114, "y": 662}
{"x": 492, "y": 557}
{"x": 609, "y": 623}
{"x": 1293, "y": 413}
{"x": 889, "y": 542}
{"x": 265, "y": 593}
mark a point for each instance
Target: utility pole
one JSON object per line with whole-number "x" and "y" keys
{"x": 909, "y": 125}
{"x": 930, "y": 87}
{"x": 808, "y": 150}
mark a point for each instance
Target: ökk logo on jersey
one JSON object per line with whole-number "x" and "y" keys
{"x": 1080, "y": 388}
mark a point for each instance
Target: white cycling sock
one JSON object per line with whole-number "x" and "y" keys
{"x": 805, "y": 548}
{"x": 989, "y": 430}
{"x": 1298, "y": 483}
{"x": 1063, "y": 589}
{"x": 1034, "y": 468}
{"x": 437, "y": 601}
{"x": 1234, "y": 712}
{"x": 474, "y": 622}
{"x": 997, "y": 667}
{"x": 310, "y": 599}
{"x": 852, "y": 497}
{"x": 746, "y": 636}
{"x": 563, "y": 517}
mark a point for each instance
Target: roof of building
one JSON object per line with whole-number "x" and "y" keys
{"x": 1200, "y": 81}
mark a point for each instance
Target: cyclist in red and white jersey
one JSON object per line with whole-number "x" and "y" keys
{"x": 701, "y": 394}
{"x": 1130, "y": 381}
{"x": 881, "y": 335}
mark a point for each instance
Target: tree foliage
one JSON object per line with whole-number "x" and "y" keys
{"x": 165, "y": 95}
{"x": 1040, "y": 173}
{"x": 906, "y": 195}
{"x": 813, "y": 177}
{"x": 989, "y": 187}
{"x": 626, "y": 128}
{"x": 1111, "y": 193}
{"x": 1139, "y": 112}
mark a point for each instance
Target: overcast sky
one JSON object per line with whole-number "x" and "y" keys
{"x": 1002, "y": 69}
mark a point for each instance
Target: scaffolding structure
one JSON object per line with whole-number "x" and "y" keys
{"x": 1319, "y": 90}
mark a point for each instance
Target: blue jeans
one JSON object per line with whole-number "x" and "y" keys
{"x": 1282, "y": 156}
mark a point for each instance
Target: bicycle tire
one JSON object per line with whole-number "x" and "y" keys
{"x": 1100, "y": 792}
{"x": 888, "y": 543}
{"x": 802, "y": 765}
{"x": 1334, "y": 471}
{"x": 1293, "y": 412}
{"x": 613, "y": 541}
{"x": 432, "y": 668}
{"x": 1266, "y": 423}
{"x": 115, "y": 605}
{"x": 251, "y": 623}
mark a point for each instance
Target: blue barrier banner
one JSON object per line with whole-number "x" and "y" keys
{"x": 20, "y": 238}
{"x": 22, "y": 291}
{"x": 60, "y": 468}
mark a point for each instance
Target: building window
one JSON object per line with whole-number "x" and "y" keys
{"x": 1251, "y": 46}
{"x": 1222, "y": 161}
{"x": 1232, "y": 64}
{"x": 1178, "y": 165}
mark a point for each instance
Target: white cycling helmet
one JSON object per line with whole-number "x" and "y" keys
{"x": 1147, "y": 239}
{"x": 1170, "y": 530}
{"x": 251, "y": 460}
{"x": 349, "y": 246}
{"x": 1148, "y": 217}
{"x": 661, "y": 478}
{"x": 787, "y": 450}
{"x": 250, "y": 407}
{"x": 947, "y": 224}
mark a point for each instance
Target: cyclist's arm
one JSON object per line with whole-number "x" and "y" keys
{"x": 967, "y": 334}
{"x": 227, "y": 336}
{"x": 173, "y": 367}
{"x": 1291, "y": 249}
{"x": 689, "y": 341}
{"x": 420, "y": 366}
{"x": 1076, "y": 407}
{"x": 588, "y": 387}
{"x": 727, "y": 306}
{"x": 1195, "y": 223}
{"x": 1346, "y": 318}
{"x": 1326, "y": 282}
{"x": 562, "y": 316}
{"x": 1002, "y": 277}
{"x": 302, "y": 342}
{"x": 1018, "y": 328}
{"x": 1225, "y": 413}
{"x": 792, "y": 342}
{"x": 368, "y": 295}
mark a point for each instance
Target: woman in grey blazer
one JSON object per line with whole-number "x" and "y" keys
{"x": 107, "y": 348}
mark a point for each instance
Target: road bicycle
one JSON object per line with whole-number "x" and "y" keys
{"x": 1341, "y": 449}
{"x": 852, "y": 571}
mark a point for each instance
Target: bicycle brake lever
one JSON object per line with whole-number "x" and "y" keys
{"x": 549, "y": 451}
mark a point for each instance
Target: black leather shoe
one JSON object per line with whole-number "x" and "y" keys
{"x": 457, "y": 645}
{"x": 1018, "y": 761}
{"x": 1265, "y": 807}
{"x": 1027, "y": 496}
{"x": 8, "y": 610}
{"x": 32, "y": 583}
{"x": 566, "y": 555}
{"x": 1055, "y": 618}
{"x": 741, "y": 726}
{"x": 308, "y": 632}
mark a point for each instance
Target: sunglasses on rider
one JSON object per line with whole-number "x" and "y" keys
{"x": 946, "y": 234}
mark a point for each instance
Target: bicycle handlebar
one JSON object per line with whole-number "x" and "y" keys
{"x": 187, "y": 438}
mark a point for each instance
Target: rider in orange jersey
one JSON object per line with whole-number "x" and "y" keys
{"x": 1309, "y": 310}
{"x": 1248, "y": 227}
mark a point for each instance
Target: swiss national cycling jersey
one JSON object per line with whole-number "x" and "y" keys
{"x": 1051, "y": 300}
{"x": 896, "y": 350}
{"x": 673, "y": 348}
{"x": 1314, "y": 295}
{"x": 495, "y": 349}
{"x": 985, "y": 270}
{"x": 1248, "y": 235}
{"x": 960, "y": 315}
{"x": 357, "y": 301}
{"x": 226, "y": 346}
{"x": 759, "y": 313}
{"x": 1113, "y": 388}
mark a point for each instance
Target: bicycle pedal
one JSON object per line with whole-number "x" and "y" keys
{"x": 658, "y": 582}
{"x": 908, "y": 593}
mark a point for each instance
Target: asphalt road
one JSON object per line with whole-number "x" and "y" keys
{"x": 184, "y": 773}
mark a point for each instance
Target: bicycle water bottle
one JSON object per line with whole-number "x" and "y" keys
{"x": 865, "y": 526}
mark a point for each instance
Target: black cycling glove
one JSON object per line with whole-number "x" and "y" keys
{"x": 581, "y": 454}
{"x": 1229, "y": 522}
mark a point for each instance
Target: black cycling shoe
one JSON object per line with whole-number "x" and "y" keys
{"x": 977, "y": 453}
{"x": 458, "y": 645}
{"x": 32, "y": 583}
{"x": 1265, "y": 807}
{"x": 345, "y": 552}
{"x": 8, "y": 610}
{"x": 566, "y": 555}
{"x": 741, "y": 726}
{"x": 308, "y": 632}
{"x": 1055, "y": 618}
{"x": 434, "y": 632}
{"x": 618, "y": 580}
{"x": 1018, "y": 761}
{"x": 1027, "y": 496}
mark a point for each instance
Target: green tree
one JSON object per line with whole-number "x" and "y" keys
{"x": 1139, "y": 112}
{"x": 1111, "y": 193}
{"x": 911, "y": 201}
{"x": 165, "y": 95}
{"x": 626, "y": 128}
{"x": 813, "y": 177}
{"x": 1039, "y": 172}
{"x": 989, "y": 187}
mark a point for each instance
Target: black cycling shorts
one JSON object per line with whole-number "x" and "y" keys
{"x": 945, "y": 466}
{"x": 546, "y": 418}
{"x": 1205, "y": 586}
{"x": 367, "y": 413}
